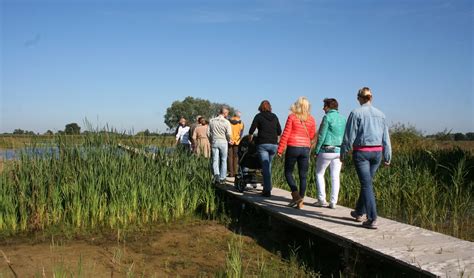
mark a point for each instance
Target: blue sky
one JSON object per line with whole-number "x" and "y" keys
{"x": 122, "y": 63}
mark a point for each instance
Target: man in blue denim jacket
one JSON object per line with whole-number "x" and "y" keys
{"x": 367, "y": 134}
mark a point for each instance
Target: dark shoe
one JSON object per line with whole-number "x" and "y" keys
{"x": 357, "y": 218}
{"x": 222, "y": 182}
{"x": 266, "y": 194}
{"x": 215, "y": 179}
{"x": 370, "y": 224}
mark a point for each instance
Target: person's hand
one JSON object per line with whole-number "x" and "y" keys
{"x": 279, "y": 154}
{"x": 250, "y": 138}
{"x": 386, "y": 163}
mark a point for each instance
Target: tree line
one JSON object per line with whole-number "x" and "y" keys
{"x": 191, "y": 107}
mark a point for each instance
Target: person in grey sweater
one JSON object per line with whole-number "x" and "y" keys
{"x": 219, "y": 134}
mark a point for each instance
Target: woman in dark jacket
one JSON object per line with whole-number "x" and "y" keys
{"x": 269, "y": 129}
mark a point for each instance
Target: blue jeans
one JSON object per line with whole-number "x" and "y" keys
{"x": 219, "y": 159}
{"x": 292, "y": 156}
{"x": 366, "y": 164}
{"x": 266, "y": 152}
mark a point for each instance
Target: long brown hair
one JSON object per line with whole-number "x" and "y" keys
{"x": 265, "y": 106}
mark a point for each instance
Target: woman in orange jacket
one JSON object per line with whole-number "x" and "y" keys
{"x": 299, "y": 132}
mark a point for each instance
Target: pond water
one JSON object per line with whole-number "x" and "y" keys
{"x": 11, "y": 154}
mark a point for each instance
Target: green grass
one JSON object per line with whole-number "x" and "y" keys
{"x": 94, "y": 184}
{"x": 237, "y": 266}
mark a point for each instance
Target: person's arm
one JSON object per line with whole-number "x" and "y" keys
{"x": 386, "y": 144}
{"x": 194, "y": 136}
{"x": 350, "y": 134}
{"x": 209, "y": 132}
{"x": 278, "y": 127}
{"x": 178, "y": 134}
{"x": 241, "y": 134}
{"x": 254, "y": 125}
{"x": 228, "y": 132}
{"x": 312, "y": 129}
{"x": 323, "y": 131}
{"x": 286, "y": 135}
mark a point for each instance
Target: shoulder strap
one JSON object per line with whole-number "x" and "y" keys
{"x": 305, "y": 129}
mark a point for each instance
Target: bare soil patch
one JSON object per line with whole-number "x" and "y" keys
{"x": 189, "y": 249}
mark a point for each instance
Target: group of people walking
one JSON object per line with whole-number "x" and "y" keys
{"x": 365, "y": 132}
{"x": 220, "y": 138}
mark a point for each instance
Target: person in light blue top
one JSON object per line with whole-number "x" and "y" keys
{"x": 367, "y": 134}
{"x": 328, "y": 148}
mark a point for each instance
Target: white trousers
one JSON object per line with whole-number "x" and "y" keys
{"x": 323, "y": 161}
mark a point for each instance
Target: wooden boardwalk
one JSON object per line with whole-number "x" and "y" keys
{"x": 425, "y": 251}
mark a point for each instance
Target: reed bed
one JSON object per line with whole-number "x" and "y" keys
{"x": 433, "y": 189}
{"x": 92, "y": 184}
{"x": 89, "y": 183}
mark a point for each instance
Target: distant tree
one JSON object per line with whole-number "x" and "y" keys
{"x": 19, "y": 131}
{"x": 190, "y": 108}
{"x": 49, "y": 132}
{"x": 470, "y": 136}
{"x": 459, "y": 137}
{"x": 72, "y": 128}
{"x": 444, "y": 135}
{"x": 217, "y": 106}
{"x": 146, "y": 132}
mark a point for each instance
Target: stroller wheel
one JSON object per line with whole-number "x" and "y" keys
{"x": 239, "y": 184}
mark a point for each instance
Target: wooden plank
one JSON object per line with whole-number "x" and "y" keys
{"x": 425, "y": 251}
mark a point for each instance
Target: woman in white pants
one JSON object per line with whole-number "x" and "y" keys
{"x": 331, "y": 132}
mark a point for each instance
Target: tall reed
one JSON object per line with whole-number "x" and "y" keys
{"x": 92, "y": 183}
{"x": 433, "y": 189}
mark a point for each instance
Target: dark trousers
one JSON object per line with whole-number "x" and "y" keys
{"x": 298, "y": 155}
{"x": 233, "y": 160}
{"x": 366, "y": 164}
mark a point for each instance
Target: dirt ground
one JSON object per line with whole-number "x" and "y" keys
{"x": 197, "y": 248}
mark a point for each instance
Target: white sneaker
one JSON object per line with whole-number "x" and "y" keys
{"x": 332, "y": 205}
{"x": 320, "y": 203}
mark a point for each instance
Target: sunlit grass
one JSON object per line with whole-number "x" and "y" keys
{"x": 94, "y": 183}
{"x": 430, "y": 189}
{"x": 89, "y": 183}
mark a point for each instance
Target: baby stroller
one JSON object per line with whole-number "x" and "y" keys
{"x": 250, "y": 169}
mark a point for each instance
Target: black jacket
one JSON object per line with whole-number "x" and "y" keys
{"x": 268, "y": 128}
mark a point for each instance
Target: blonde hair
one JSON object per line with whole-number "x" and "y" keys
{"x": 301, "y": 108}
